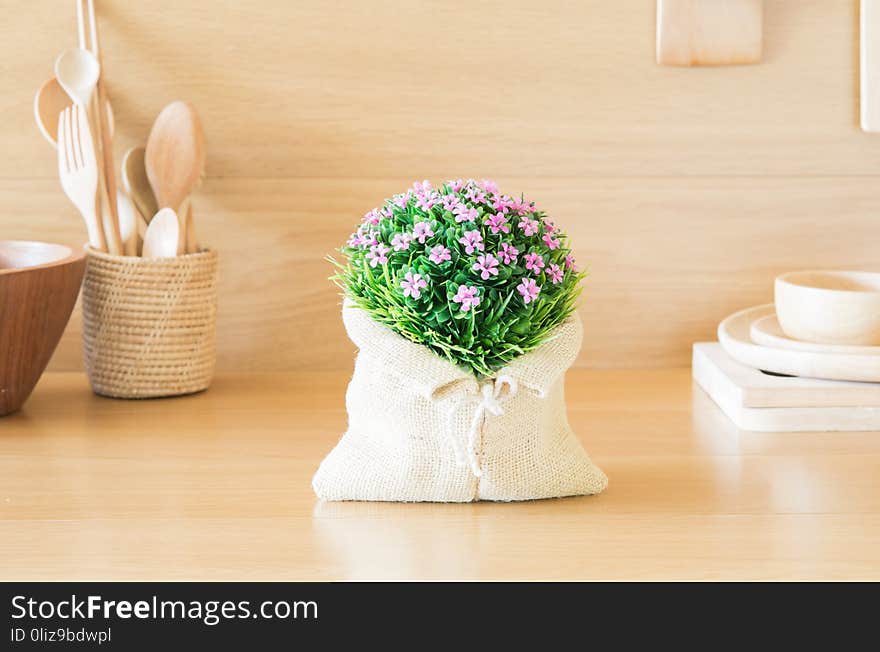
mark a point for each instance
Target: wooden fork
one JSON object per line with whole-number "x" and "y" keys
{"x": 78, "y": 169}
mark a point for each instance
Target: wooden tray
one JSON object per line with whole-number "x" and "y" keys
{"x": 757, "y": 401}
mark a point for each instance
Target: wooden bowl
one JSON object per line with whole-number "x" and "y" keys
{"x": 830, "y": 307}
{"x": 39, "y": 283}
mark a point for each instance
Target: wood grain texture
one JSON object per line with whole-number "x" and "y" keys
{"x": 349, "y": 89}
{"x": 39, "y": 285}
{"x": 685, "y": 190}
{"x": 99, "y": 489}
{"x": 678, "y": 254}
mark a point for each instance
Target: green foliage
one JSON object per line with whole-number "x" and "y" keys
{"x": 411, "y": 288}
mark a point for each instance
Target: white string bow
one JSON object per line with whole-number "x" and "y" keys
{"x": 490, "y": 397}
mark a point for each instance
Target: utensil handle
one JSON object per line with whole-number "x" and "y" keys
{"x": 130, "y": 246}
{"x": 93, "y": 29}
{"x": 192, "y": 244}
{"x": 870, "y": 65}
{"x": 114, "y": 240}
{"x": 182, "y": 211}
{"x": 96, "y": 227}
{"x": 96, "y": 235}
{"x": 80, "y": 24}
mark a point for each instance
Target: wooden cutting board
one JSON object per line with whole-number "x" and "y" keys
{"x": 761, "y": 402}
{"x": 870, "y": 64}
{"x": 709, "y": 32}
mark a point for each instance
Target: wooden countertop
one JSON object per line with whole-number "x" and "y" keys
{"x": 217, "y": 486}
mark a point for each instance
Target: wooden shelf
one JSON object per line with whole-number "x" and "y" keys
{"x": 216, "y": 486}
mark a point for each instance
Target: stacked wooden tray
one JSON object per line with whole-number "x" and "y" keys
{"x": 757, "y": 400}
{"x": 766, "y": 381}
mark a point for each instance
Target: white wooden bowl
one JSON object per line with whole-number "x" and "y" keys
{"x": 766, "y": 331}
{"x": 830, "y": 307}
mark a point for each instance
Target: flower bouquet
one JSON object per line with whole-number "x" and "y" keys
{"x": 461, "y": 301}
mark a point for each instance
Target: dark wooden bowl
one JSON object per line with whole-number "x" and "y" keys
{"x": 39, "y": 283}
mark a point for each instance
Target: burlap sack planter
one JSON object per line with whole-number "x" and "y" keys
{"x": 422, "y": 429}
{"x": 149, "y": 324}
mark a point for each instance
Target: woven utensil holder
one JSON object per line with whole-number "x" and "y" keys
{"x": 149, "y": 324}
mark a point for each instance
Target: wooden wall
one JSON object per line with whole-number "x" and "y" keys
{"x": 686, "y": 190}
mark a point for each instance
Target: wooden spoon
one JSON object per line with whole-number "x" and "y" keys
{"x": 77, "y": 71}
{"x": 136, "y": 184}
{"x": 129, "y": 217}
{"x": 49, "y": 102}
{"x": 162, "y": 236}
{"x": 175, "y": 157}
{"x": 51, "y": 99}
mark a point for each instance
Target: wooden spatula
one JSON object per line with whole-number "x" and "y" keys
{"x": 709, "y": 32}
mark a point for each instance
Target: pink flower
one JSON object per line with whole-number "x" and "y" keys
{"x": 401, "y": 241}
{"x": 488, "y": 265}
{"x": 413, "y": 284}
{"x": 465, "y": 214}
{"x": 549, "y": 226}
{"x": 472, "y": 241}
{"x": 455, "y": 185}
{"x": 372, "y": 217}
{"x": 467, "y": 296}
{"x": 439, "y": 253}
{"x": 423, "y": 187}
{"x": 570, "y": 264}
{"x": 529, "y": 227}
{"x": 555, "y": 273}
{"x": 534, "y": 263}
{"x": 475, "y": 194}
{"x": 422, "y": 230}
{"x": 550, "y": 241}
{"x": 489, "y": 186}
{"x": 402, "y": 199}
{"x": 497, "y": 223}
{"x": 501, "y": 203}
{"x": 508, "y": 253}
{"x": 378, "y": 255}
{"x": 529, "y": 290}
{"x": 428, "y": 201}
{"x": 451, "y": 202}
{"x": 521, "y": 206}
{"x": 361, "y": 239}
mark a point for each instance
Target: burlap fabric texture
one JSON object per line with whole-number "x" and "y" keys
{"x": 422, "y": 429}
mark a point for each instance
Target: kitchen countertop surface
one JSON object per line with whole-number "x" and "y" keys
{"x": 217, "y": 486}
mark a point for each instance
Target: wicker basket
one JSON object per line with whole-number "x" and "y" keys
{"x": 149, "y": 324}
